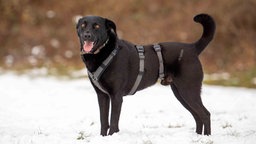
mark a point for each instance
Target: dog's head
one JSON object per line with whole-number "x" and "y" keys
{"x": 94, "y": 33}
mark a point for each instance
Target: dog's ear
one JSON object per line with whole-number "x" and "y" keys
{"x": 77, "y": 25}
{"x": 77, "y": 22}
{"x": 110, "y": 25}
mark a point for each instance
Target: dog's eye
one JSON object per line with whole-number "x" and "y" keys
{"x": 83, "y": 25}
{"x": 96, "y": 26}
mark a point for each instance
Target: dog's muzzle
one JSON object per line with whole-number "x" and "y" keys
{"x": 88, "y": 47}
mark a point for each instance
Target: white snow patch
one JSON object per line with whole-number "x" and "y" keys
{"x": 52, "y": 111}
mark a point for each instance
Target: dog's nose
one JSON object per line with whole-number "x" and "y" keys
{"x": 87, "y": 35}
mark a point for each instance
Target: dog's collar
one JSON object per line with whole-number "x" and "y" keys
{"x": 102, "y": 46}
{"x": 95, "y": 76}
{"x": 98, "y": 50}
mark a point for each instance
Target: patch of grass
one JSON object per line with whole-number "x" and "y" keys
{"x": 61, "y": 72}
{"x": 175, "y": 125}
{"x": 241, "y": 78}
{"x": 226, "y": 125}
{"x": 82, "y": 135}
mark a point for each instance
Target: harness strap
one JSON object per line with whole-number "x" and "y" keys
{"x": 140, "y": 50}
{"x": 157, "y": 48}
{"x": 95, "y": 76}
{"x": 97, "y": 84}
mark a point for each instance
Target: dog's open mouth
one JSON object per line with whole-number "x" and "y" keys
{"x": 87, "y": 47}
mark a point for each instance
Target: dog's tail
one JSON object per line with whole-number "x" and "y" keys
{"x": 208, "y": 31}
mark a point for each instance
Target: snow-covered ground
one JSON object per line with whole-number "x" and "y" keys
{"x": 46, "y": 110}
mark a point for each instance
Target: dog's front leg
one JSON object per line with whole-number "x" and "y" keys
{"x": 104, "y": 101}
{"x": 116, "y": 104}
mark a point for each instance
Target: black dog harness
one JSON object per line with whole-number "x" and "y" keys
{"x": 140, "y": 50}
{"x": 95, "y": 76}
{"x": 158, "y": 50}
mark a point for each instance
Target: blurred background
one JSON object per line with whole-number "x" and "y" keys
{"x": 40, "y": 34}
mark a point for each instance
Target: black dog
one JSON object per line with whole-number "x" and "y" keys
{"x": 119, "y": 64}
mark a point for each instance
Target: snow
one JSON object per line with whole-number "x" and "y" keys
{"x": 48, "y": 110}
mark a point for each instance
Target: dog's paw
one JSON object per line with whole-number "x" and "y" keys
{"x": 113, "y": 130}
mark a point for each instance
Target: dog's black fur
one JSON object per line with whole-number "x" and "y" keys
{"x": 184, "y": 76}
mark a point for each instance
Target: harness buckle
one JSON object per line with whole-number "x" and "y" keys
{"x": 92, "y": 76}
{"x": 141, "y": 56}
{"x": 140, "y": 48}
{"x": 157, "y": 47}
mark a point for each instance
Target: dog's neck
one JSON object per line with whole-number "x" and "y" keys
{"x": 93, "y": 61}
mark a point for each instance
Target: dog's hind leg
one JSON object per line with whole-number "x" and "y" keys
{"x": 189, "y": 96}
{"x": 199, "y": 123}
{"x": 104, "y": 101}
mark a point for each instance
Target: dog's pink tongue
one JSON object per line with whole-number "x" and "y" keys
{"x": 88, "y": 46}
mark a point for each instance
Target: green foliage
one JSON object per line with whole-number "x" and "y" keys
{"x": 240, "y": 78}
